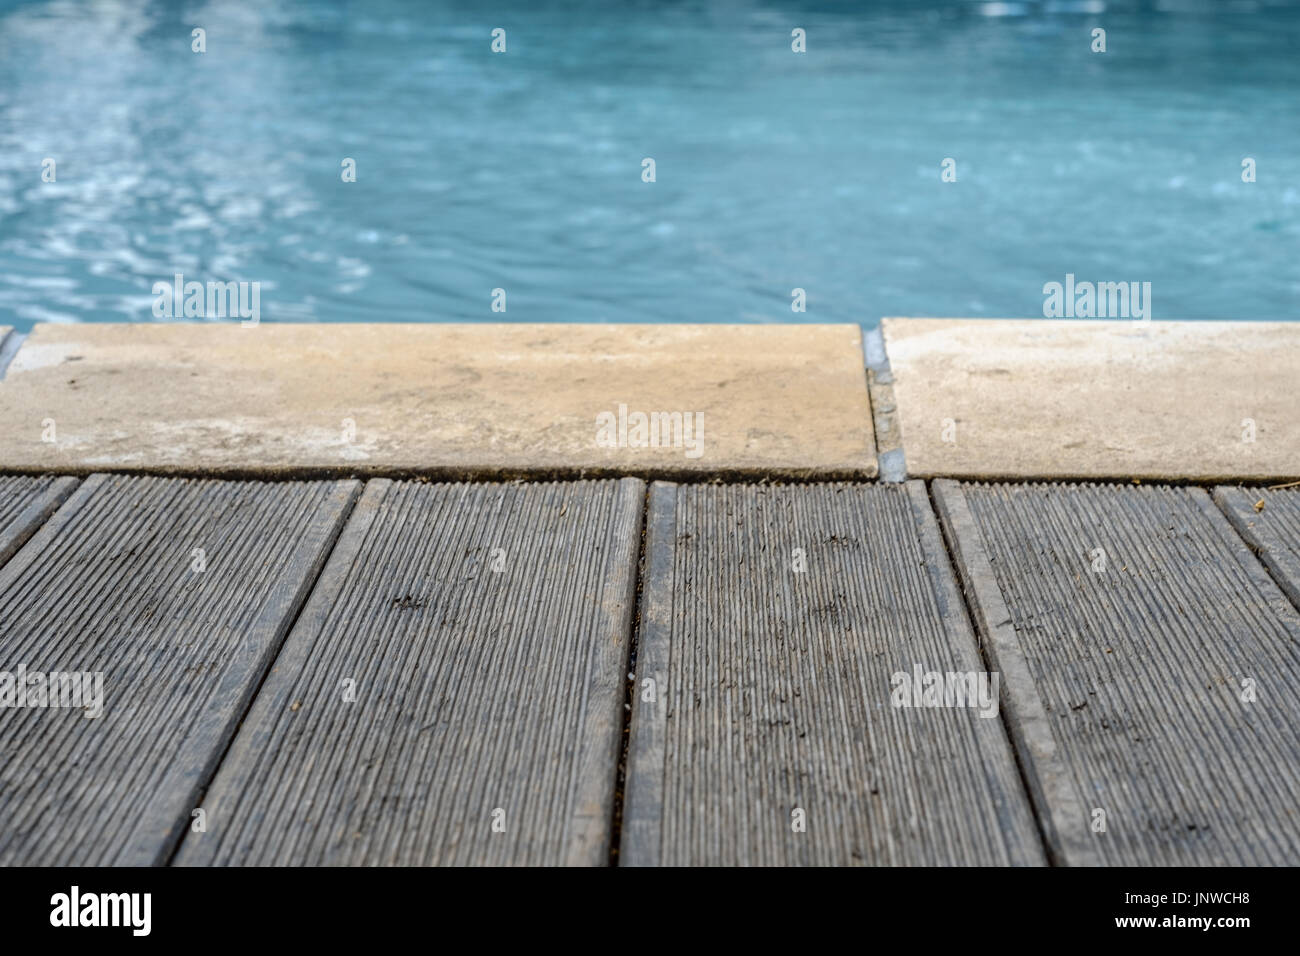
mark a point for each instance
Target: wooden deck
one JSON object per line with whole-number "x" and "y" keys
{"x": 595, "y": 672}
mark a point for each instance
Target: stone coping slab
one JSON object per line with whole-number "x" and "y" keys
{"x": 1039, "y": 398}
{"x": 438, "y": 399}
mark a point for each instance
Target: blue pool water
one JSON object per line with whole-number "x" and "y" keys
{"x": 522, "y": 170}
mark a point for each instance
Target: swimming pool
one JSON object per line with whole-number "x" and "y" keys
{"x": 523, "y": 171}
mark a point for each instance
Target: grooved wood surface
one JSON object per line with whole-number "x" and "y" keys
{"x": 25, "y": 504}
{"x": 1142, "y": 616}
{"x": 17, "y": 492}
{"x": 1273, "y": 530}
{"x": 108, "y": 585}
{"x": 773, "y": 688}
{"x": 464, "y": 653}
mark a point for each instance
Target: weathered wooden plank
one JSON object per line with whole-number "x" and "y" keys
{"x": 1164, "y": 665}
{"x": 1273, "y": 530}
{"x": 774, "y": 620}
{"x": 25, "y": 504}
{"x": 643, "y": 791}
{"x": 174, "y": 595}
{"x": 1061, "y": 814}
{"x": 461, "y": 664}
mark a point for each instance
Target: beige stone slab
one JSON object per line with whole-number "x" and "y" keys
{"x": 451, "y": 400}
{"x": 1041, "y": 398}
